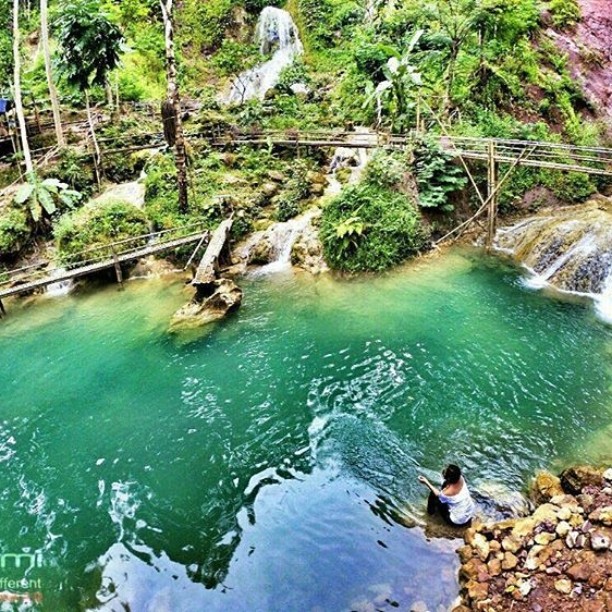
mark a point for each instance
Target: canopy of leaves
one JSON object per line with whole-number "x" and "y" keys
{"x": 90, "y": 43}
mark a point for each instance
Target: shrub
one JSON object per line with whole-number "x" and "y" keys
{"x": 98, "y": 226}
{"x": 14, "y": 231}
{"x": 297, "y": 189}
{"x": 437, "y": 176}
{"x": 565, "y": 13}
{"x": 385, "y": 169}
{"x": 370, "y": 228}
{"x": 75, "y": 170}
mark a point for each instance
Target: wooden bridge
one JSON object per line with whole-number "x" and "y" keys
{"x": 97, "y": 259}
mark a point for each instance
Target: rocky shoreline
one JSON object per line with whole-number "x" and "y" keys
{"x": 558, "y": 558}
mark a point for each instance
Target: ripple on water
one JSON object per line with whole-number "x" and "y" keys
{"x": 268, "y": 464}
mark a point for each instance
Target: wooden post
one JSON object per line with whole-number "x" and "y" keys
{"x": 492, "y": 193}
{"x": 118, "y": 272}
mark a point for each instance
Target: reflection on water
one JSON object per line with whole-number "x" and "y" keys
{"x": 271, "y": 464}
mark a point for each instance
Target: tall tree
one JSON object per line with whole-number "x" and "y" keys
{"x": 44, "y": 30}
{"x": 90, "y": 49}
{"x": 171, "y": 108}
{"x": 17, "y": 91}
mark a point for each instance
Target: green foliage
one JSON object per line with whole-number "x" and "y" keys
{"x": 370, "y": 228}
{"x": 43, "y": 198}
{"x": 294, "y": 73}
{"x": 14, "y": 231}
{"x": 233, "y": 57}
{"x": 6, "y": 46}
{"x": 386, "y": 169}
{"x": 296, "y": 189}
{"x": 90, "y": 43}
{"x": 206, "y": 22}
{"x": 565, "y": 13}
{"x": 437, "y": 176}
{"x": 96, "y": 226}
{"x": 74, "y": 169}
{"x": 122, "y": 168}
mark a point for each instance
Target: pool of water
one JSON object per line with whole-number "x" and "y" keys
{"x": 267, "y": 464}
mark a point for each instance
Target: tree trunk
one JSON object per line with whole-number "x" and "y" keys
{"x": 97, "y": 157}
{"x": 180, "y": 156}
{"x": 17, "y": 87}
{"x": 44, "y": 31}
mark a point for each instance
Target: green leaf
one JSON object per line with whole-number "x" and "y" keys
{"x": 24, "y": 193}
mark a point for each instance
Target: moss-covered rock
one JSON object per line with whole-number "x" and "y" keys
{"x": 97, "y": 226}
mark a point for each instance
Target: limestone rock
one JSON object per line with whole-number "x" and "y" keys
{"x": 599, "y": 541}
{"x": 563, "y": 585}
{"x": 277, "y": 177}
{"x": 545, "y": 487}
{"x": 226, "y": 296}
{"x": 481, "y": 546}
{"x": 574, "y": 479}
{"x": 510, "y": 561}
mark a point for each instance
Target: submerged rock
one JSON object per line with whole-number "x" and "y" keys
{"x": 225, "y": 297}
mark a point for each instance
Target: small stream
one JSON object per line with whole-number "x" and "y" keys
{"x": 271, "y": 463}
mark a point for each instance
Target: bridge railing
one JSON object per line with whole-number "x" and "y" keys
{"x": 100, "y": 253}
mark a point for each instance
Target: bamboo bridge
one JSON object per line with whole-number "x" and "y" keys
{"x": 495, "y": 152}
{"x": 99, "y": 258}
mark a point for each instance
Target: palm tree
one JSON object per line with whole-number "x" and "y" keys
{"x": 171, "y": 108}
{"x": 90, "y": 49}
{"x": 44, "y": 29}
{"x": 17, "y": 91}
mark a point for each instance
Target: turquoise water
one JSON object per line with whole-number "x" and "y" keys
{"x": 271, "y": 463}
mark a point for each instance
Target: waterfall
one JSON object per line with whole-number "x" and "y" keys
{"x": 276, "y": 33}
{"x": 60, "y": 288}
{"x": 354, "y": 159}
{"x": 569, "y": 249}
{"x": 281, "y": 237}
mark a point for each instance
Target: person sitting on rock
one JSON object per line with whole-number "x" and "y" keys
{"x": 453, "y": 501}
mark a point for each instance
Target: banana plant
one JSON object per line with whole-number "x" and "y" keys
{"x": 401, "y": 80}
{"x": 42, "y": 197}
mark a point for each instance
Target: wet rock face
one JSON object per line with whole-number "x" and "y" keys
{"x": 224, "y": 297}
{"x": 569, "y": 248}
{"x": 558, "y": 558}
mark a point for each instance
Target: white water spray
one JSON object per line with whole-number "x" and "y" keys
{"x": 276, "y": 33}
{"x": 60, "y": 288}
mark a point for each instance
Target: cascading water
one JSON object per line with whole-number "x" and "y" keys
{"x": 281, "y": 237}
{"x": 569, "y": 249}
{"x": 60, "y": 288}
{"x": 355, "y": 160}
{"x": 276, "y": 33}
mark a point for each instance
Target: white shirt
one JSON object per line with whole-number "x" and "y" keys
{"x": 461, "y": 506}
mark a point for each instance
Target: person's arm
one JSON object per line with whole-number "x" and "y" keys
{"x": 428, "y": 484}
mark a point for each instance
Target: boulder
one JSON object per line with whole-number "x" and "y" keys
{"x": 575, "y": 478}
{"x": 226, "y": 296}
{"x": 276, "y": 176}
{"x": 545, "y": 486}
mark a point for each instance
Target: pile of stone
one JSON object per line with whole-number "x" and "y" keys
{"x": 558, "y": 558}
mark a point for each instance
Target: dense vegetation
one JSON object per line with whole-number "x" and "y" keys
{"x": 471, "y": 67}
{"x": 376, "y": 224}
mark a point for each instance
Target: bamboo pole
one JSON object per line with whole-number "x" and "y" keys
{"x": 492, "y": 193}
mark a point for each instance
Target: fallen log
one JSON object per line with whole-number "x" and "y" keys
{"x": 208, "y": 270}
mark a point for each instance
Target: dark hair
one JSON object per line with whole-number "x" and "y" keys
{"x": 452, "y": 474}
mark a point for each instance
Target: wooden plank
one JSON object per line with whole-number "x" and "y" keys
{"x": 98, "y": 266}
{"x": 208, "y": 270}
